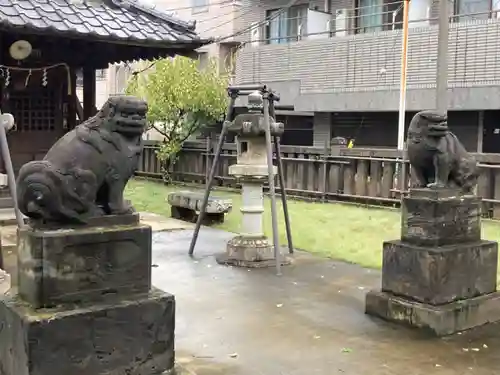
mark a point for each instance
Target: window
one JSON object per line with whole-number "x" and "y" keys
{"x": 468, "y": 10}
{"x": 286, "y": 26}
{"x": 199, "y": 6}
{"x": 378, "y": 15}
{"x": 370, "y": 16}
{"x": 203, "y": 60}
{"x": 101, "y": 74}
{"x": 495, "y": 6}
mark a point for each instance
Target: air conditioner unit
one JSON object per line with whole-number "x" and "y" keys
{"x": 318, "y": 24}
{"x": 344, "y": 21}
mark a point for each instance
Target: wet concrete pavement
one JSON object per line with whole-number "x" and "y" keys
{"x": 309, "y": 321}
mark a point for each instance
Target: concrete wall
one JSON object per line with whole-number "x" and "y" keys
{"x": 102, "y": 89}
{"x": 361, "y": 72}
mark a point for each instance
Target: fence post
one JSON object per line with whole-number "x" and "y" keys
{"x": 326, "y": 153}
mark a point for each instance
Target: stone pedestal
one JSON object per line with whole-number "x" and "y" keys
{"x": 85, "y": 305}
{"x": 251, "y": 248}
{"x": 440, "y": 276}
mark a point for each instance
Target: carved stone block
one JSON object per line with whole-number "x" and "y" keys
{"x": 435, "y": 220}
{"x": 439, "y": 275}
{"x": 133, "y": 336}
{"x": 439, "y": 320}
{"x": 110, "y": 256}
{"x": 242, "y": 251}
{"x": 185, "y": 205}
{"x": 193, "y": 200}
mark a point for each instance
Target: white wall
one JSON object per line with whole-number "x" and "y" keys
{"x": 101, "y": 93}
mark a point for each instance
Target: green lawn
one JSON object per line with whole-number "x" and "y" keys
{"x": 339, "y": 231}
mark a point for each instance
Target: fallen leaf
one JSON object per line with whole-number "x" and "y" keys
{"x": 346, "y": 350}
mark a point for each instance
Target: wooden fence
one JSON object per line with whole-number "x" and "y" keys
{"x": 360, "y": 174}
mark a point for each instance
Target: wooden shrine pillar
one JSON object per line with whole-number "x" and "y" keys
{"x": 89, "y": 92}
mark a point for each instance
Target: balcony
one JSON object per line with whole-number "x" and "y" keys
{"x": 348, "y": 67}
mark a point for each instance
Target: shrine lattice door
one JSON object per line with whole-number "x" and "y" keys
{"x": 38, "y": 113}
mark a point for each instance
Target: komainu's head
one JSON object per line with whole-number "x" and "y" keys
{"x": 125, "y": 115}
{"x": 427, "y": 124}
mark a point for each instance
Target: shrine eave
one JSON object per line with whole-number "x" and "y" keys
{"x": 126, "y": 22}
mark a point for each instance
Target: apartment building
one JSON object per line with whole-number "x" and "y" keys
{"x": 338, "y": 62}
{"x": 214, "y": 19}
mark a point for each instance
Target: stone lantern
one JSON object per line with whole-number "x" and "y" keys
{"x": 251, "y": 248}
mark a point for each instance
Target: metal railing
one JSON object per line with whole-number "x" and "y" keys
{"x": 356, "y": 21}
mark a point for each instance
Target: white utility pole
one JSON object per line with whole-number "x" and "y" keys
{"x": 442, "y": 58}
{"x": 402, "y": 96}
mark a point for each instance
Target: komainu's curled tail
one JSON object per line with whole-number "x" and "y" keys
{"x": 39, "y": 193}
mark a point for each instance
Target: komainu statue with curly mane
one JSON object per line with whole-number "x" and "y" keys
{"x": 437, "y": 158}
{"x": 84, "y": 173}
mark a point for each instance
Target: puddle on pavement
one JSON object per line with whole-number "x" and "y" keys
{"x": 189, "y": 364}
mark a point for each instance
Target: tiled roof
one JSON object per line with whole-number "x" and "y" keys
{"x": 120, "y": 20}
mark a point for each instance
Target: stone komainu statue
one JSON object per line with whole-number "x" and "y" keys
{"x": 437, "y": 158}
{"x": 84, "y": 173}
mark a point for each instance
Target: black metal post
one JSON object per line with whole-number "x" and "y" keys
{"x": 270, "y": 170}
{"x": 277, "y": 151}
{"x": 213, "y": 170}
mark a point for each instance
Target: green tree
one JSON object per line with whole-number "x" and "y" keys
{"x": 182, "y": 99}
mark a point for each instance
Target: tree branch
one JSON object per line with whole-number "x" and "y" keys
{"x": 162, "y": 132}
{"x": 136, "y": 72}
{"x": 195, "y": 125}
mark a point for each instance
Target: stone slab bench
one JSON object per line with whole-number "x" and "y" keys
{"x": 186, "y": 205}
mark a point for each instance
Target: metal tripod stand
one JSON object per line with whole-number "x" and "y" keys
{"x": 269, "y": 98}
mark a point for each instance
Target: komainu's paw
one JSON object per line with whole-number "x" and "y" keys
{"x": 436, "y": 185}
{"x": 418, "y": 185}
{"x": 124, "y": 209}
